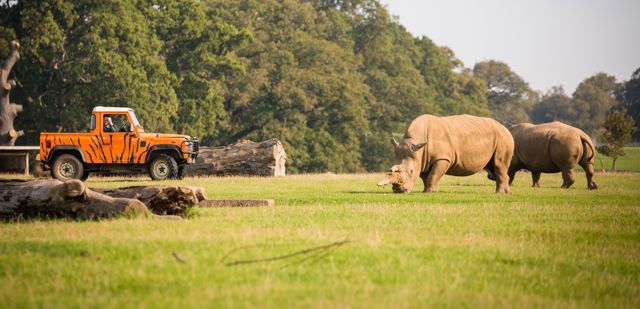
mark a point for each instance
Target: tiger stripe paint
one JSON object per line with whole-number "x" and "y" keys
{"x": 120, "y": 147}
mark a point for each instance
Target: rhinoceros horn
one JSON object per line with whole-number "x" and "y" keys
{"x": 394, "y": 142}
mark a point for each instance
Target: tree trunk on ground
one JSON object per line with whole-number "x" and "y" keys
{"x": 53, "y": 198}
{"x": 245, "y": 158}
{"x": 613, "y": 164}
{"x": 8, "y": 110}
{"x": 161, "y": 200}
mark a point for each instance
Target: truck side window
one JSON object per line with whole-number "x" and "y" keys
{"x": 116, "y": 123}
{"x": 93, "y": 123}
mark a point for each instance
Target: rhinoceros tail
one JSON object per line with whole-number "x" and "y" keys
{"x": 589, "y": 151}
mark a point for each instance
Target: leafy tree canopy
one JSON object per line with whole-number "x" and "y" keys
{"x": 629, "y": 96}
{"x": 509, "y": 96}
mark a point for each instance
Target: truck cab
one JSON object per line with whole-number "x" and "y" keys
{"x": 115, "y": 144}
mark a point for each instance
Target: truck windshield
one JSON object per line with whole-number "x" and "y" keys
{"x": 135, "y": 120}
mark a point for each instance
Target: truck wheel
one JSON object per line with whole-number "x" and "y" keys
{"x": 67, "y": 167}
{"x": 163, "y": 167}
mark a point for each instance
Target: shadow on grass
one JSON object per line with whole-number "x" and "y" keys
{"x": 372, "y": 192}
{"x": 474, "y": 185}
{"x": 120, "y": 180}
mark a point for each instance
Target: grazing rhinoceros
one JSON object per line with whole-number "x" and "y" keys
{"x": 551, "y": 148}
{"x": 455, "y": 145}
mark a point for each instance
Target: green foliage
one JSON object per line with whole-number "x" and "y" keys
{"x": 592, "y": 99}
{"x": 618, "y": 127}
{"x": 509, "y": 96}
{"x": 555, "y": 105}
{"x": 586, "y": 109}
{"x": 80, "y": 54}
{"x": 196, "y": 48}
{"x": 629, "y": 96}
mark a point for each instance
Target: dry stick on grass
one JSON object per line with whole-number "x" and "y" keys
{"x": 314, "y": 250}
{"x": 178, "y": 258}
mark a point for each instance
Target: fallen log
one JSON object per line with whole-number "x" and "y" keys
{"x": 161, "y": 200}
{"x": 245, "y": 158}
{"x": 236, "y": 203}
{"x": 53, "y": 198}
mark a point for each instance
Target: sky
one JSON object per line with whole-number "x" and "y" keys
{"x": 548, "y": 43}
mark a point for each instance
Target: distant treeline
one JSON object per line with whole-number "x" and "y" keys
{"x": 332, "y": 79}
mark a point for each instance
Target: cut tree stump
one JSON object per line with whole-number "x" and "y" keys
{"x": 244, "y": 158}
{"x": 53, "y": 198}
{"x": 161, "y": 200}
{"x": 236, "y": 203}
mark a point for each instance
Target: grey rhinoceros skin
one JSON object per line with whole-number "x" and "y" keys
{"x": 460, "y": 145}
{"x": 551, "y": 148}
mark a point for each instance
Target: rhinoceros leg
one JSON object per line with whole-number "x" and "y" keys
{"x": 535, "y": 176}
{"x": 513, "y": 169}
{"x": 502, "y": 180}
{"x": 588, "y": 170}
{"x": 568, "y": 177}
{"x": 431, "y": 179}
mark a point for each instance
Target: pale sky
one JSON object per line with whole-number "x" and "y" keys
{"x": 546, "y": 42}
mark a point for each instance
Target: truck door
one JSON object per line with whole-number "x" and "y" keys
{"x": 118, "y": 138}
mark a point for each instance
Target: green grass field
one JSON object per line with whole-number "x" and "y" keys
{"x": 463, "y": 246}
{"x": 629, "y": 162}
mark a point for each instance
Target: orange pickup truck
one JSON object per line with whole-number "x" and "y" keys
{"x": 116, "y": 143}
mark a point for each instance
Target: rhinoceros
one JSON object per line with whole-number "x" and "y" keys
{"x": 459, "y": 145}
{"x": 551, "y": 148}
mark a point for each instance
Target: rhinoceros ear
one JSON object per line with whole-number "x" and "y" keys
{"x": 416, "y": 147}
{"x": 394, "y": 142}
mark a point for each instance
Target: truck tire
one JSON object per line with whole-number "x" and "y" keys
{"x": 163, "y": 167}
{"x": 67, "y": 167}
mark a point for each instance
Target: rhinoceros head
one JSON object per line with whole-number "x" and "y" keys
{"x": 404, "y": 174}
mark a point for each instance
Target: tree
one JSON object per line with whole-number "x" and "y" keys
{"x": 629, "y": 96}
{"x": 592, "y": 99}
{"x": 457, "y": 91}
{"x": 509, "y": 96}
{"x": 80, "y": 54}
{"x": 618, "y": 127}
{"x": 555, "y": 105}
{"x": 198, "y": 49}
{"x": 299, "y": 86}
